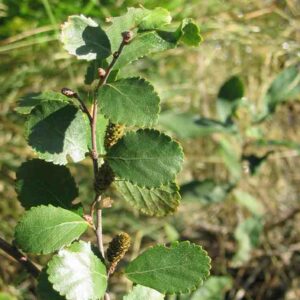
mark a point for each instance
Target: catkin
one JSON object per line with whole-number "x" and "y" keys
{"x": 104, "y": 178}
{"x": 113, "y": 133}
{"x": 117, "y": 249}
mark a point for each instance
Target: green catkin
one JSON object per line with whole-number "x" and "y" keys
{"x": 113, "y": 133}
{"x": 117, "y": 249}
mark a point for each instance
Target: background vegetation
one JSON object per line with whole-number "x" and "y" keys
{"x": 248, "y": 223}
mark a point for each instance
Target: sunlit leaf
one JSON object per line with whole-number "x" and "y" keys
{"x": 130, "y": 101}
{"x": 179, "y": 268}
{"x": 146, "y": 157}
{"x": 45, "y": 229}
{"x": 77, "y": 273}
{"x": 84, "y": 38}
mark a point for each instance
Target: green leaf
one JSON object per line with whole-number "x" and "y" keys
{"x": 154, "y": 202}
{"x": 130, "y": 101}
{"x": 206, "y": 191}
{"x": 213, "y": 289}
{"x": 29, "y": 101}
{"x": 146, "y": 157}
{"x": 54, "y": 131}
{"x": 141, "y": 292}
{"x": 77, "y": 273}
{"x": 189, "y": 32}
{"x": 84, "y": 38}
{"x": 249, "y": 202}
{"x": 153, "y": 19}
{"x": 247, "y": 235}
{"x": 188, "y": 125}
{"x": 145, "y": 43}
{"x": 136, "y": 18}
{"x": 45, "y": 289}
{"x": 42, "y": 183}
{"x": 178, "y": 269}
{"x": 229, "y": 97}
{"x": 45, "y": 229}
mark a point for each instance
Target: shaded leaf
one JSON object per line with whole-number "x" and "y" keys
{"x": 206, "y": 191}
{"x": 84, "y": 38}
{"x": 45, "y": 290}
{"x": 178, "y": 269}
{"x": 154, "y": 202}
{"x": 146, "y": 157}
{"x": 188, "y": 125}
{"x": 130, "y": 101}
{"x": 54, "y": 131}
{"x": 39, "y": 182}
{"x": 29, "y": 101}
{"x": 213, "y": 289}
{"x": 142, "y": 292}
{"x": 229, "y": 97}
{"x": 45, "y": 229}
{"x": 77, "y": 273}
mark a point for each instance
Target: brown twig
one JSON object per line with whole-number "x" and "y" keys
{"x": 19, "y": 257}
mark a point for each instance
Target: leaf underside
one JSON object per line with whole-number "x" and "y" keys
{"x": 84, "y": 38}
{"x": 154, "y": 202}
{"x": 142, "y": 292}
{"x": 77, "y": 273}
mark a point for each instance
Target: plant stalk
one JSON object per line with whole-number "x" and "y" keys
{"x": 20, "y": 257}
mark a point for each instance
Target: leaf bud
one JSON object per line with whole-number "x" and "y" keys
{"x": 127, "y": 37}
{"x": 68, "y": 92}
{"x": 101, "y": 72}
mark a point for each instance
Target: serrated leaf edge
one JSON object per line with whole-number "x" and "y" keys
{"x": 174, "y": 245}
{"x": 39, "y": 206}
{"x": 142, "y": 124}
{"x": 17, "y": 189}
{"x": 39, "y": 155}
{"x": 57, "y": 255}
{"x": 169, "y": 140}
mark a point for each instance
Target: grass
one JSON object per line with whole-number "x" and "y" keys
{"x": 254, "y": 39}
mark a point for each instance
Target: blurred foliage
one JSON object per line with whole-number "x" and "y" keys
{"x": 236, "y": 168}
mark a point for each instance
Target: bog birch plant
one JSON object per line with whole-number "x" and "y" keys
{"x": 116, "y": 131}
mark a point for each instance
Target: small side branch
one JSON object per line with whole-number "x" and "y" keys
{"x": 19, "y": 257}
